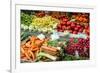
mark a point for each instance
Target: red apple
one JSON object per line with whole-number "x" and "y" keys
{"x": 78, "y": 26}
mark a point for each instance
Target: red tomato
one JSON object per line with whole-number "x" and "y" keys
{"x": 70, "y": 31}
{"x": 59, "y": 25}
{"x": 80, "y": 30}
{"x": 74, "y": 32}
{"x": 64, "y": 27}
{"x": 68, "y": 27}
{"x": 68, "y": 23}
{"x": 86, "y": 26}
{"x": 72, "y": 25}
{"x": 65, "y": 19}
{"x": 76, "y": 28}
{"x": 62, "y": 22}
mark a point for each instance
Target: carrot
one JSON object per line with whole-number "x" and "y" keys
{"x": 26, "y": 49}
{"x": 22, "y": 50}
{"x": 26, "y": 54}
{"x": 22, "y": 46}
{"x": 49, "y": 48}
{"x": 33, "y": 38}
{"x": 36, "y": 52}
{"x": 53, "y": 48}
{"x": 33, "y": 57}
{"x": 33, "y": 46}
{"x": 25, "y": 58}
{"x": 28, "y": 44}
{"x": 30, "y": 49}
{"x": 22, "y": 55}
{"x": 38, "y": 42}
{"x": 35, "y": 49}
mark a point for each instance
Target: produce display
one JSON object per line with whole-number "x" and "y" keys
{"x": 48, "y": 36}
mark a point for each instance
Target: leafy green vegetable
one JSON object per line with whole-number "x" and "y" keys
{"x": 24, "y": 35}
{"x": 53, "y": 43}
{"x": 26, "y": 19}
{"x": 71, "y": 57}
{"x": 47, "y": 55}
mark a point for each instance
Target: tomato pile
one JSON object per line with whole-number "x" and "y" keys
{"x": 72, "y": 26}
